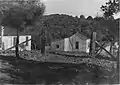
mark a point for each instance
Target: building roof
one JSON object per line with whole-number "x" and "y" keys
{"x": 79, "y": 34}
{"x": 13, "y": 32}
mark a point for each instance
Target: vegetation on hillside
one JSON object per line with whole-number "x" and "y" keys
{"x": 60, "y": 26}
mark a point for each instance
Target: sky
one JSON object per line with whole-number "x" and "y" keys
{"x": 116, "y": 16}
{"x": 74, "y": 7}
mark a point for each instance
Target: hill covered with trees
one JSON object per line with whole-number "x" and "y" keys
{"x": 59, "y": 26}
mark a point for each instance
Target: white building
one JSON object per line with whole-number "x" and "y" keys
{"x": 77, "y": 42}
{"x": 8, "y": 39}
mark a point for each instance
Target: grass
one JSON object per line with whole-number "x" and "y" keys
{"x": 28, "y": 71}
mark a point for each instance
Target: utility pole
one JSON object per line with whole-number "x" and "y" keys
{"x": 97, "y": 14}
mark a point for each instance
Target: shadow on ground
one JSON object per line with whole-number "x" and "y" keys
{"x": 31, "y": 72}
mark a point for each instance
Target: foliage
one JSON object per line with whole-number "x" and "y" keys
{"x": 24, "y": 12}
{"x": 111, "y": 7}
{"x": 62, "y": 26}
{"x": 89, "y": 18}
{"x": 82, "y": 17}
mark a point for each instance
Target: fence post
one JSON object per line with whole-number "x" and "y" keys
{"x": 93, "y": 44}
{"x": 1, "y": 40}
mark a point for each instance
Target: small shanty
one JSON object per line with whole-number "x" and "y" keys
{"x": 76, "y": 42}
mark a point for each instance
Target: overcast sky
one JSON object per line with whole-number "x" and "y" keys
{"x": 74, "y": 7}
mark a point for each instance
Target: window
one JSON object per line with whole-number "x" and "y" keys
{"x": 57, "y": 46}
{"x": 77, "y": 45}
{"x": 27, "y": 41}
{"x": 14, "y": 41}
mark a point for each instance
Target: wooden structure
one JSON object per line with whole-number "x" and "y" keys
{"x": 33, "y": 55}
{"x": 76, "y": 42}
{"x": 8, "y": 40}
{"x": 93, "y": 43}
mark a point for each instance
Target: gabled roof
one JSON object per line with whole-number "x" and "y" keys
{"x": 81, "y": 35}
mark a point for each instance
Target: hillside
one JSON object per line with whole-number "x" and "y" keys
{"x": 59, "y": 26}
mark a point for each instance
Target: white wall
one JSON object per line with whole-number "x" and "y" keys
{"x": 87, "y": 45}
{"x": 8, "y": 41}
{"x": 70, "y": 44}
{"x": 66, "y": 44}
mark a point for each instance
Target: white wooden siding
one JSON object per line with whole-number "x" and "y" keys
{"x": 8, "y": 41}
{"x": 87, "y": 45}
{"x": 66, "y": 44}
{"x": 69, "y": 44}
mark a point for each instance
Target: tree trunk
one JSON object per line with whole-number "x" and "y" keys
{"x": 17, "y": 43}
{"x": 42, "y": 48}
{"x": 43, "y": 44}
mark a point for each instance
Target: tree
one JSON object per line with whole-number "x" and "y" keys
{"x": 82, "y": 17}
{"x": 89, "y": 18}
{"x": 20, "y": 14}
{"x": 111, "y": 7}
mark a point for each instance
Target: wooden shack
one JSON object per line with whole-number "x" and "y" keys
{"x": 76, "y": 42}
